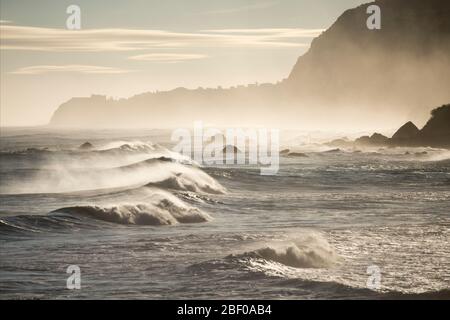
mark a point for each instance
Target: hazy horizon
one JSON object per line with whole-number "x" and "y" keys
{"x": 250, "y": 150}
{"x": 197, "y": 46}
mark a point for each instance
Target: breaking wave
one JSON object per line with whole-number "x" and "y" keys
{"x": 157, "y": 208}
{"x": 162, "y": 213}
{"x": 164, "y": 172}
{"x": 184, "y": 182}
{"x": 129, "y": 146}
{"x": 293, "y": 256}
{"x": 309, "y": 250}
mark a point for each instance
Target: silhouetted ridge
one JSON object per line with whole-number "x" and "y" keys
{"x": 436, "y": 133}
{"x": 437, "y": 130}
{"x": 375, "y": 139}
{"x": 407, "y": 131}
{"x": 350, "y": 74}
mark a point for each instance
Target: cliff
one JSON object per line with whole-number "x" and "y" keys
{"x": 436, "y": 133}
{"x": 349, "y": 75}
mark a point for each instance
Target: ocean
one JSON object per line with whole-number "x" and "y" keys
{"x": 143, "y": 222}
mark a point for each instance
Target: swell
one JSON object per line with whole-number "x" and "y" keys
{"x": 23, "y": 225}
{"x": 163, "y": 171}
{"x": 111, "y": 147}
{"x": 307, "y": 250}
{"x": 70, "y": 219}
{"x": 139, "y": 207}
{"x": 165, "y": 212}
{"x": 241, "y": 267}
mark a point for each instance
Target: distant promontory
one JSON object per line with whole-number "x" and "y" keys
{"x": 350, "y": 75}
{"x": 436, "y": 133}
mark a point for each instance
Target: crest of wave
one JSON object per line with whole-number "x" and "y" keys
{"x": 140, "y": 147}
{"x": 129, "y": 145}
{"x": 310, "y": 250}
{"x": 163, "y": 209}
{"x": 162, "y": 172}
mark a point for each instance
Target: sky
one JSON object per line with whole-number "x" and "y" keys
{"x": 133, "y": 46}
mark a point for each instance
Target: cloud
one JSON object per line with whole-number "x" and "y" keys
{"x": 5, "y": 21}
{"x": 74, "y": 68}
{"x": 168, "y": 57}
{"x": 103, "y": 40}
{"x": 256, "y": 6}
{"x": 272, "y": 33}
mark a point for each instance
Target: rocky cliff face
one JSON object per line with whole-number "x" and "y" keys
{"x": 437, "y": 130}
{"x": 396, "y": 68}
{"x": 407, "y": 131}
{"x": 350, "y": 75}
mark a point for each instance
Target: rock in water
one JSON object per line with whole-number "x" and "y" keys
{"x": 436, "y": 133}
{"x": 376, "y": 139}
{"x": 407, "y": 131}
{"x": 298, "y": 155}
{"x": 230, "y": 149}
{"x": 86, "y": 146}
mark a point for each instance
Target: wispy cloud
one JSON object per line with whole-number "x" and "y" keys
{"x": 102, "y": 40}
{"x": 168, "y": 57}
{"x": 250, "y": 7}
{"x": 272, "y": 33}
{"x": 74, "y": 68}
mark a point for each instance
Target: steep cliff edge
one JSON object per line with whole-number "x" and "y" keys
{"x": 350, "y": 75}
{"x": 436, "y": 133}
{"x": 404, "y": 65}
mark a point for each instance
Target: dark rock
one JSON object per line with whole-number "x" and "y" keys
{"x": 340, "y": 143}
{"x": 436, "y": 133}
{"x": 298, "y": 155}
{"x": 219, "y": 137}
{"x": 376, "y": 139}
{"x": 86, "y": 146}
{"x": 230, "y": 149}
{"x": 406, "y": 132}
{"x": 333, "y": 151}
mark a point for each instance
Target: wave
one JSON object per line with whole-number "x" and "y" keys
{"x": 155, "y": 159}
{"x": 26, "y": 151}
{"x": 79, "y": 158}
{"x": 157, "y": 208}
{"x": 165, "y": 212}
{"x": 241, "y": 269}
{"x": 129, "y": 146}
{"x": 311, "y": 251}
{"x": 183, "y": 182}
{"x": 164, "y": 171}
{"x": 292, "y": 256}
{"x": 178, "y": 176}
{"x": 34, "y": 224}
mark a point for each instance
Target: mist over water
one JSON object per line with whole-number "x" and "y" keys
{"x": 143, "y": 222}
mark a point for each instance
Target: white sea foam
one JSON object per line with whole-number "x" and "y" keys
{"x": 304, "y": 251}
{"x": 166, "y": 211}
{"x": 163, "y": 172}
{"x": 128, "y": 145}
